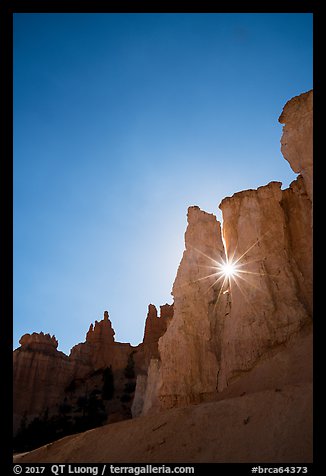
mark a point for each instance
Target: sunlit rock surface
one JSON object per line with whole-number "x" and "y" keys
{"x": 189, "y": 365}
{"x": 270, "y": 299}
{"x": 220, "y": 333}
{"x": 297, "y": 137}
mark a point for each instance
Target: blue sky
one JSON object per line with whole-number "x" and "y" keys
{"x": 122, "y": 121}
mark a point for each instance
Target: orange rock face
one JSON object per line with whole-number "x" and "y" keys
{"x": 223, "y": 327}
{"x": 267, "y": 306}
{"x": 297, "y": 137}
{"x": 189, "y": 363}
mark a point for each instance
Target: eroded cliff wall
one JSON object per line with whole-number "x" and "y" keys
{"x": 225, "y": 327}
{"x": 297, "y": 137}
{"x": 40, "y": 375}
{"x": 47, "y": 382}
{"x": 189, "y": 362}
{"x": 270, "y": 296}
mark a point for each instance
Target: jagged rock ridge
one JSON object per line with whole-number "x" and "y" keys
{"x": 49, "y": 384}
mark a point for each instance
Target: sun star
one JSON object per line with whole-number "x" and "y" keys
{"x": 234, "y": 272}
{"x": 229, "y": 269}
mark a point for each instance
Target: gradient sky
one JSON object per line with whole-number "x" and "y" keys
{"x": 122, "y": 121}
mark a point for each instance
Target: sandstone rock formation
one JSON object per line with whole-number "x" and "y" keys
{"x": 189, "y": 363}
{"x": 39, "y": 342}
{"x": 155, "y": 327}
{"x": 239, "y": 345}
{"x": 267, "y": 305}
{"x": 221, "y": 331}
{"x": 297, "y": 137}
{"x": 46, "y": 379}
{"x": 40, "y": 375}
{"x": 100, "y": 349}
{"x": 266, "y": 416}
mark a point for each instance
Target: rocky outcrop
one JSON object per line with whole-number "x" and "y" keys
{"x": 46, "y": 380}
{"x": 100, "y": 349}
{"x": 297, "y": 208}
{"x": 39, "y": 342}
{"x": 224, "y": 326}
{"x": 40, "y": 375}
{"x": 297, "y": 137}
{"x": 102, "y": 333}
{"x": 189, "y": 363}
{"x": 267, "y": 306}
{"x": 147, "y": 351}
{"x": 155, "y": 326}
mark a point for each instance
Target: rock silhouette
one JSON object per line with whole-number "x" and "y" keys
{"x": 46, "y": 380}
